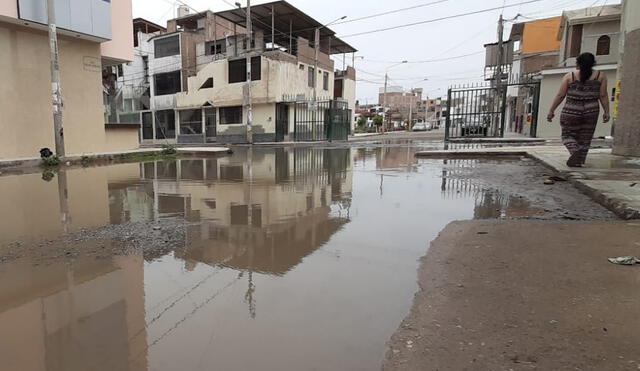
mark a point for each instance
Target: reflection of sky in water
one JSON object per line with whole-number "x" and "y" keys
{"x": 299, "y": 259}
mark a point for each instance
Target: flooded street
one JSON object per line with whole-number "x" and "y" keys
{"x": 268, "y": 259}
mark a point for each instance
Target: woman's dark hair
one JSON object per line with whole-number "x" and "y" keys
{"x": 585, "y": 63}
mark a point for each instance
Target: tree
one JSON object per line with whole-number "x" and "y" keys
{"x": 377, "y": 121}
{"x": 362, "y": 122}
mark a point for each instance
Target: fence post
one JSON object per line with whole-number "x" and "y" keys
{"x": 503, "y": 111}
{"x": 447, "y": 124}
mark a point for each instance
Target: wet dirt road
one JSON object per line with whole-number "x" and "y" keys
{"x": 270, "y": 259}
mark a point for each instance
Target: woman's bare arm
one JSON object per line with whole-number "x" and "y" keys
{"x": 604, "y": 98}
{"x": 562, "y": 93}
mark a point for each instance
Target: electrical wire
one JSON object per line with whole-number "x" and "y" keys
{"x": 437, "y": 19}
{"x": 390, "y": 12}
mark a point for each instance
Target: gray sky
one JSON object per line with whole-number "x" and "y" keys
{"x": 436, "y": 40}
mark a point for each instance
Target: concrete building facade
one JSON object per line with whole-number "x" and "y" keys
{"x": 25, "y": 95}
{"x": 627, "y": 130}
{"x": 196, "y": 75}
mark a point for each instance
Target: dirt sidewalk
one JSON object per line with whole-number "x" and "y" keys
{"x": 523, "y": 295}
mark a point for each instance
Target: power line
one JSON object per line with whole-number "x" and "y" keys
{"x": 390, "y": 12}
{"x": 439, "y": 19}
{"x": 428, "y": 60}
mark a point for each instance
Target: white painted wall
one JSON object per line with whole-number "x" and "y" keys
{"x": 549, "y": 88}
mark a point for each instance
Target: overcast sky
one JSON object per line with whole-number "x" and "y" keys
{"x": 377, "y": 51}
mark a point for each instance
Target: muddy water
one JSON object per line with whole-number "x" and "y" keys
{"x": 282, "y": 259}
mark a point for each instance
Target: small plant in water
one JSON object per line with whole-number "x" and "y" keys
{"x": 51, "y": 161}
{"x": 168, "y": 150}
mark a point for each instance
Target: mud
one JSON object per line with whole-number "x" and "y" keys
{"x": 544, "y": 298}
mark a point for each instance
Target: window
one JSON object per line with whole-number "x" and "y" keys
{"x": 120, "y": 71}
{"x": 167, "y": 47}
{"x": 232, "y": 173}
{"x": 576, "y": 41}
{"x": 238, "y": 70}
{"x": 145, "y": 66}
{"x": 147, "y": 125}
{"x": 207, "y": 84}
{"x": 301, "y": 67}
{"x": 216, "y": 47}
{"x": 165, "y": 124}
{"x": 230, "y": 115}
{"x": 168, "y": 83}
{"x": 191, "y": 121}
{"x": 239, "y": 215}
{"x": 325, "y": 81}
{"x": 604, "y": 45}
{"x": 312, "y": 77}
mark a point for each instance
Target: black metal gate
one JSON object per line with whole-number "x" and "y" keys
{"x": 282, "y": 121}
{"x": 475, "y": 111}
{"x": 323, "y": 120}
{"x": 480, "y": 110}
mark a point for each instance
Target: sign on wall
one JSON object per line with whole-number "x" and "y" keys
{"x": 89, "y": 17}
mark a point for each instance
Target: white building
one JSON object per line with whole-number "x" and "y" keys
{"x": 197, "y": 79}
{"x": 595, "y": 30}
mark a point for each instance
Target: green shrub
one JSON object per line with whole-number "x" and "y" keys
{"x": 51, "y": 161}
{"x": 168, "y": 150}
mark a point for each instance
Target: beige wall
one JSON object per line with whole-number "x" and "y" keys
{"x": 548, "y": 90}
{"x": 25, "y": 94}
{"x": 122, "y": 139}
{"x": 279, "y": 77}
{"x": 9, "y": 8}
{"x": 120, "y": 48}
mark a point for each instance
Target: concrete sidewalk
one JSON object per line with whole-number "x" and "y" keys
{"x": 524, "y": 295}
{"x": 613, "y": 181}
{"x": 35, "y": 161}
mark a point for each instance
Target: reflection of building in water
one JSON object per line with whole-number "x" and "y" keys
{"x": 31, "y": 207}
{"x": 264, "y": 210}
{"x": 458, "y": 180}
{"x": 388, "y": 158}
{"x": 81, "y": 315}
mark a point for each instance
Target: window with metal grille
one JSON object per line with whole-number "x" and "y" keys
{"x": 191, "y": 121}
{"x": 604, "y": 45}
{"x": 167, "y": 47}
{"x": 230, "y": 115}
{"x": 167, "y": 83}
{"x": 325, "y": 81}
{"x": 238, "y": 70}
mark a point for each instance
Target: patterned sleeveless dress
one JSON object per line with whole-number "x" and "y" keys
{"x": 580, "y": 116}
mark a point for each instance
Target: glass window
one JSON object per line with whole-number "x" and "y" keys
{"x": 230, "y": 115}
{"x": 238, "y": 70}
{"x": 604, "y": 45}
{"x": 325, "y": 81}
{"x": 166, "y": 124}
{"x": 147, "y": 125}
{"x": 168, "y": 83}
{"x": 167, "y": 47}
{"x": 311, "y": 77}
{"x": 191, "y": 121}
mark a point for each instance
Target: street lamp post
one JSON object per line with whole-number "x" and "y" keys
{"x": 410, "y": 125}
{"x": 386, "y": 82}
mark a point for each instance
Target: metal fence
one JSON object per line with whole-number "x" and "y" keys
{"x": 475, "y": 111}
{"x": 480, "y": 110}
{"x": 322, "y": 120}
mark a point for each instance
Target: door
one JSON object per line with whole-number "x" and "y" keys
{"x": 210, "y": 124}
{"x": 282, "y": 121}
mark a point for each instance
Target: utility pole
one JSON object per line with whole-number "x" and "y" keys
{"x": 384, "y": 101}
{"x": 315, "y": 66}
{"x": 499, "y": 87}
{"x": 249, "y": 98}
{"x": 56, "y": 93}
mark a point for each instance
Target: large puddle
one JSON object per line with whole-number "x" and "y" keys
{"x": 293, "y": 259}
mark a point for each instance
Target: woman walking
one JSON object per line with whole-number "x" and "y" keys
{"x": 585, "y": 89}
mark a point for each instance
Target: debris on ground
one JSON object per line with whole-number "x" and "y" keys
{"x": 625, "y": 260}
{"x": 557, "y": 178}
{"x": 549, "y": 181}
